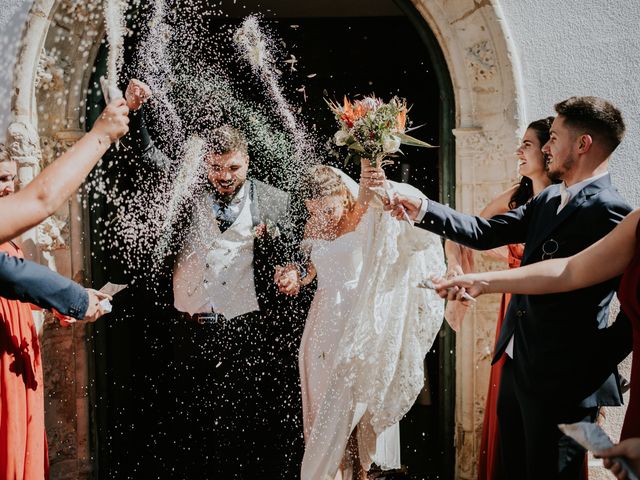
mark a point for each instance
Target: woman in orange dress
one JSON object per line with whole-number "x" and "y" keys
{"x": 532, "y": 168}
{"x": 23, "y": 446}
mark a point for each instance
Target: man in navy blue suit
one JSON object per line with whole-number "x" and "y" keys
{"x": 562, "y": 359}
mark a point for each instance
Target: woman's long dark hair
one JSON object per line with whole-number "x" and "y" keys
{"x": 524, "y": 192}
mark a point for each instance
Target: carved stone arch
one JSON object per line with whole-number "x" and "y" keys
{"x": 484, "y": 70}
{"x": 60, "y": 42}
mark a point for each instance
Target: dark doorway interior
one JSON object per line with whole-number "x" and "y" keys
{"x": 388, "y": 52}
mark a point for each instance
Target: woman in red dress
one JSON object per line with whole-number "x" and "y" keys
{"x": 616, "y": 254}
{"x": 532, "y": 168}
{"x": 23, "y": 446}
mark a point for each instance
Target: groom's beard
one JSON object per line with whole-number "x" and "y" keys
{"x": 225, "y": 198}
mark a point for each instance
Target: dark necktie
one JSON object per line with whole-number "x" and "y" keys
{"x": 223, "y": 220}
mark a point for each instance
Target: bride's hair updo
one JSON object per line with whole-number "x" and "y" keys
{"x": 322, "y": 181}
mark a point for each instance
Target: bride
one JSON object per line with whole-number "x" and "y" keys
{"x": 369, "y": 328}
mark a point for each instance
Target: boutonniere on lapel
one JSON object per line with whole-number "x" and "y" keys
{"x": 266, "y": 231}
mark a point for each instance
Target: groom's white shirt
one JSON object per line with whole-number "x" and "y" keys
{"x": 214, "y": 270}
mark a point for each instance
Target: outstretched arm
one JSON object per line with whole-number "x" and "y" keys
{"x": 30, "y": 282}
{"x": 602, "y": 261}
{"x": 48, "y": 191}
{"x": 456, "y": 253}
{"x": 471, "y": 231}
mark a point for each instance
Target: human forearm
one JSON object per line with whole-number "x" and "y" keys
{"x": 473, "y": 231}
{"x": 600, "y": 262}
{"x": 63, "y": 177}
{"x": 30, "y": 282}
{"x": 48, "y": 191}
{"x": 454, "y": 255}
{"x": 372, "y": 182}
{"x": 53, "y": 186}
{"x": 370, "y": 178}
{"x": 535, "y": 279}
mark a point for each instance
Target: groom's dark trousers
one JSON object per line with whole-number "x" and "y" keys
{"x": 564, "y": 363}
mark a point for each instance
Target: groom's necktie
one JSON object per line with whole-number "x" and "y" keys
{"x": 224, "y": 222}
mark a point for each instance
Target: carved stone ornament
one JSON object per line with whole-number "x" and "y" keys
{"x": 4, "y": 153}
{"x": 51, "y": 234}
{"x": 482, "y": 60}
{"x": 78, "y": 10}
{"x": 470, "y": 140}
{"x": 23, "y": 144}
{"x": 66, "y": 139}
{"x": 48, "y": 150}
{"x": 50, "y": 72}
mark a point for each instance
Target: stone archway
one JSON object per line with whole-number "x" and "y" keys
{"x": 51, "y": 79}
{"x": 484, "y": 69}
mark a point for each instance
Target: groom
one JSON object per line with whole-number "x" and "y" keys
{"x": 238, "y": 344}
{"x": 561, "y": 359}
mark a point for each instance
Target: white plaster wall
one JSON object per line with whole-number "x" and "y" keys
{"x": 13, "y": 14}
{"x": 582, "y": 47}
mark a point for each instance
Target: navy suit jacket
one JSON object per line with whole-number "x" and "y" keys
{"x": 562, "y": 348}
{"x": 33, "y": 283}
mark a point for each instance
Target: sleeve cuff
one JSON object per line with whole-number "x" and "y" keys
{"x": 424, "y": 208}
{"x": 79, "y": 307}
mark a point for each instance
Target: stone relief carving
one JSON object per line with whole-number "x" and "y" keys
{"x": 47, "y": 150}
{"x": 482, "y": 61}
{"x": 23, "y": 144}
{"x": 52, "y": 234}
{"x": 4, "y": 153}
{"x": 485, "y": 158}
{"x": 50, "y": 72}
{"x": 469, "y": 139}
{"x": 52, "y": 148}
{"x": 78, "y": 10}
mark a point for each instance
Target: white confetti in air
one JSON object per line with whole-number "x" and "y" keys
{"x": 115, "y": 27}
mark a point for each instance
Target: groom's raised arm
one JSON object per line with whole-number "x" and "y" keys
{"x": 468, "y": 230}
{"x": 137, "y": 94}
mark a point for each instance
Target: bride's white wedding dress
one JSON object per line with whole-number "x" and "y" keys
{"x": 367, "y": 333}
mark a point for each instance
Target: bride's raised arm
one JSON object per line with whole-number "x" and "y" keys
{"x": 371, "y": 178}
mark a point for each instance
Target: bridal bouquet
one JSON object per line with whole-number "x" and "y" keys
{"x": 372, "y": 129}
